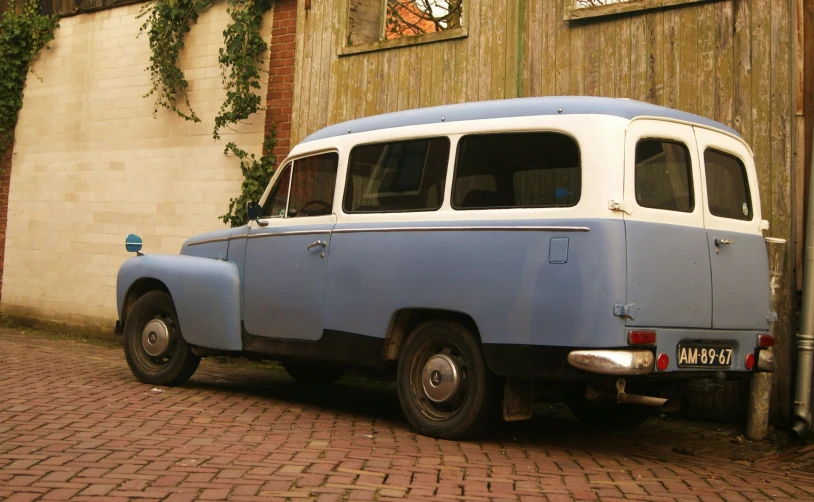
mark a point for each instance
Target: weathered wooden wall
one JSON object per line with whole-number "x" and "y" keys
{"x": 730, "y": 60}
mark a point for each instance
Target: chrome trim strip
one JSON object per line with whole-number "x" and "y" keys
{"x": 219, "y": 239}
{"x": 292, "y": 232}
{"x": 463, "y": 229}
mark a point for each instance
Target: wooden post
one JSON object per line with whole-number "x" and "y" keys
{"x": 757, "y": 414}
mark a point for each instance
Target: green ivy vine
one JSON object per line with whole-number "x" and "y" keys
{"x": 167, "y": 23}
{"x": 22, "y": 36}
{"x": 241, "y": 60}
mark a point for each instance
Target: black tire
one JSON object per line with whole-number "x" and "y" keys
{"x": 175, "y": 364}
{"x": 313, "y": 374}
{"x": 606, "y": 414}
{"x": 468, "y": 407}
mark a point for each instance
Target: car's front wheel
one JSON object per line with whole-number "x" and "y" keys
{"x": 153, "y": 346}
{"x": 444, "y": 386}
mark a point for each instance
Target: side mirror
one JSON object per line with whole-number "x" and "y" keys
{"x": 132, "y": 243}
{"x": 254, "y": 210}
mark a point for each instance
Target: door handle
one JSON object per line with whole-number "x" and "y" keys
{"x": 723, "y": 242}
{"x": 315, "y": 244}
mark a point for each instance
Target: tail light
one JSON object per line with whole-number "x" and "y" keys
{"x": 662, "y": 362}
{"x": 765, "y": 341}
{"x": 750, "y": 361}
{"x": 641, "y": 337}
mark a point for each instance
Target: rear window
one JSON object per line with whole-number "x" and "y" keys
{"x": 664, "y": 175}
{"x": 727, "y": 186}
{"x": 397, "y": 176}
{"x": 517, "y": 170}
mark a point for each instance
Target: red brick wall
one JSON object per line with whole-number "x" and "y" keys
{"x": 281, "y": 74}
{"x": 5, "y": 166}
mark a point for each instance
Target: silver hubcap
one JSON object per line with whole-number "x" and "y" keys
{"x": 440, "y": 378}
{"x": 155, "y": 338}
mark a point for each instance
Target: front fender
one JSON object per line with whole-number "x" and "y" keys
{"x": 206, "y": 293}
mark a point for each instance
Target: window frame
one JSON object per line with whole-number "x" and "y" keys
{"x": 690, "y": 188}
{"x": 384, "y": 44}
{"x": 348, "y": 174}
{"x": 504, "y": 133}
{"x": 291, "y": 161}
{"x": 574, "y": 13}
{"x": 745, "y": 177}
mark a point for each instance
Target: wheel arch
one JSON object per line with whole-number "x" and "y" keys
{"x": 406, "y": 320}
{"x": 138, "y": 289}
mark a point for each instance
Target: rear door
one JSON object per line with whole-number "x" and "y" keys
{"x": 668, "y": 264}
{"x": 740, "y": 270}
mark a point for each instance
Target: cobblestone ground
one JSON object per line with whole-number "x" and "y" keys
{"x": 74, "y": 423}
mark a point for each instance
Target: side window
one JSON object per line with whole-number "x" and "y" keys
{"x": 727, "y": 186}
{"x": 397, "y": 176}
{"x": 664, "y": 175}
{"x": 278, "y": 198}
{"x": 312, "y": 186}
{"x": 517, "y": 170}
{"x": 305, "y": 188}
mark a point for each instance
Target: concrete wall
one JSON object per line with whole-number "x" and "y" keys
{"x": 92, "y": 164}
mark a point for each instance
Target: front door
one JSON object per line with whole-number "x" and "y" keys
{"x": 668, "y": 272}
{"x": 740, "y": 270}
{"x": 286, "y": 252}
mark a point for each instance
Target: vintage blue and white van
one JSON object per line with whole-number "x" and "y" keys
{"x": 601, "y": 250}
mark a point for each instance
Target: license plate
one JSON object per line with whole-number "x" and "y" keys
{"x": 704, "y": 356}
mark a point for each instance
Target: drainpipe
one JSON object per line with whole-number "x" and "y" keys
{"x": 805, "y": 338}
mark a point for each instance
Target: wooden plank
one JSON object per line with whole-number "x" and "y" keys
{"x": 706, "y": 60}
{"x": 563, "y": 52}
{"x": 672, "y": 58}
{"x": 498, "y": 53}
{"x": 688, "y": 66}
{"x": 545, "y": 58}
{"x": 405, "y": 68}
{"x": 370, "y": 89}
{"x": 801, "y": 142}
{"x": 439, "y": 74}
{"x": 461, "y": 63}
{"x": 315, "y": 18}
{"x": 781, "y": 219}
{"x": 511, "y": 50}
{"x": 328, "y": 57}
{"x": 808, "y": 110}
{"x": 622, "y": 54}
{"x": 724, "y": 78}
{"x": 299, "y": 92}
{"x": 638, "y": 59}
{"x": 484, "y": 50}
{"x": 382, "y": 71}
{"x": 742, "y": 92}
{"x": 392, "y": 73}
{"x": 592, "y": 43}
{"x": 473, "y": 49}
{"x": 608, "y": 31}
{"x": 654, "y": 33}
{"x": 338, "y": 65}
{"x": 417, "y": 67}
{"x": 761, "y": 101}
{"x": 622, "y": 7}
{"x": 577, "y": 60}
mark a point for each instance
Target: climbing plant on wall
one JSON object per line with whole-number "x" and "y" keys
{"x": 241, "y": 60}
{"x": 22, "y": 36}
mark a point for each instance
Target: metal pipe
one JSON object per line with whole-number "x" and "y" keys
{"x": 805, "y": 338}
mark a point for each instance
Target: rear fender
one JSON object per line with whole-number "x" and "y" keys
{"x": 206, "y": 294}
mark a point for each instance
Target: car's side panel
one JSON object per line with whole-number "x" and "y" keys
{"x": 498, "y": 272}
{"x": 209, "y": 245}
{"x": 206, "y": 293}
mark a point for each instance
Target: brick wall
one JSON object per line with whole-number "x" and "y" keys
{"x": 92, "y": 164}
{"x": 281, "y": 74}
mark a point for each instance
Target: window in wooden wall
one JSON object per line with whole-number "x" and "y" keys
{"x": 380, "y": 24}
{"x": 581, "y": 9}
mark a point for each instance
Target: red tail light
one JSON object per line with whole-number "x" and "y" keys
{"x": 641, "y": 337}
{"x": 765, "y": 341}
{"x": 662, "y": 362}
{"x": 750, "y": 361}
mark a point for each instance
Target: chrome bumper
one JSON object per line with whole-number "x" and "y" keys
{"x": 613, "y": 362}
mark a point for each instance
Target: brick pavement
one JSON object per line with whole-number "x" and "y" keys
{"x": 75, "y": 424}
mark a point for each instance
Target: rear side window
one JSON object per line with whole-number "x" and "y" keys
{"x": 727, "y": 186}
{"x": 397, "y": 176}
{"x": 517, "y": 170}
{"x": 664, "y": 175}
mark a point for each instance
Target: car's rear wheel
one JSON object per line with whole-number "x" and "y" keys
{"x": 153, "y": 346}
{"x": 444, "y": 386}
{"x": 313, "y": 374}
{"x": 606, "y": 414}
